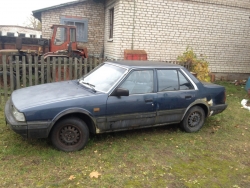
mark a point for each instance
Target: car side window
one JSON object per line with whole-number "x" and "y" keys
{"x": 139, "y": 82}
{"x": 167, "y": 80}
{"x": 184, "y": 83}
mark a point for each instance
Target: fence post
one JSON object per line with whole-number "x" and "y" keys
{"x": 80, "y": 69}
{"x": 64, "y": 68}
{"x": 91, "y": 63}
{"x": 95, "y": 62}
{"x": 5, "y": 78}
{"x": 70, "y": 68}
{"x": 11, "y": 77}
{"x": 36, "y": 70}
{"x": 75, "y": 72}
{"x": 17, "y": 72}
{"x": 30, "y": 70}
{"x": 59, "y": 69}
{"x": 54, "y": 69}
{"x": 42, "y": 70}
{"x": 1, "y": 79}
{"x": 48, "y": 69}
{"x": 24, "y": 70}
{"x": 85, "y": 66}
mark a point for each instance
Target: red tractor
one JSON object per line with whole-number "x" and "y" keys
{"x": 62, "y": 44}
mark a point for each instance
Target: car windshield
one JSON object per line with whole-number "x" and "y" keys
{"x": 104, "y": 77}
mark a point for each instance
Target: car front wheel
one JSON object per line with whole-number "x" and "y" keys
{"x": 193, "y": 120}
{"x": 70, "y": 134}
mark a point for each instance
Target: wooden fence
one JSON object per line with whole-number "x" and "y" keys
{"x": 18, "y": 72}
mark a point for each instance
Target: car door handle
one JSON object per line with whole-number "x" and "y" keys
{"x": 188, "y": 97}
{"x": 148, "y": 100}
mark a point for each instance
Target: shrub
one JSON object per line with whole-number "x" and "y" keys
{"x": 196, "y": 65}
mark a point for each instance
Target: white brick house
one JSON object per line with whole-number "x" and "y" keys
{"x": 16, "y": 31}
{"x": 219, "y": 29}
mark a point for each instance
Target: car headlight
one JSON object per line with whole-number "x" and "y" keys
{"x": 18, "y": 115}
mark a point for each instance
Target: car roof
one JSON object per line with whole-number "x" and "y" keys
{"x": 144, "y": 64}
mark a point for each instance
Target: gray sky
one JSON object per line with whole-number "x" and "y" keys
{"x": 16, "y": 12}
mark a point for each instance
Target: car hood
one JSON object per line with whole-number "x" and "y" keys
{"x": 48, "y": 93}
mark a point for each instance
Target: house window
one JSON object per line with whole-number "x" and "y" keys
{"x": 81, "y": 27}
{"x": 32, "y": 36}
{"x": 21, "y": 35}
{"x": 111, "y": 22}
{"x": 9, "y": 34}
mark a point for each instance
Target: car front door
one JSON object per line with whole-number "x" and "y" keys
{"x": 136, "y": 110}
{"x": 174, "y": 94}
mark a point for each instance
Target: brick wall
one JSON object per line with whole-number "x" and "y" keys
{"x": 112, "y": 47}
{"x": 94, "y": 12}
{"x": 219, "y": 29}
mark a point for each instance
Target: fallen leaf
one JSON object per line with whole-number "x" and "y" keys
{"x": 72, "y": 177}
{"x": 94, "y": 174}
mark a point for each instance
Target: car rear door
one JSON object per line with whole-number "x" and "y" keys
{"x": 138, "y": 109}
{"x": 175, "y": 92}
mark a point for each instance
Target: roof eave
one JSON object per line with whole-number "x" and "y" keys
{"x": 37, "y": 13}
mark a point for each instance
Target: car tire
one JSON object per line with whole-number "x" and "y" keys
{"x": 193, "y": 120}
{"x": 70, "y": 134}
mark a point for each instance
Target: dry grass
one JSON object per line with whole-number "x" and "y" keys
{"x": 216, "y": 156}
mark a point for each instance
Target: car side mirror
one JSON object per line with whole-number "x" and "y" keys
{"x": 120, "y": 92}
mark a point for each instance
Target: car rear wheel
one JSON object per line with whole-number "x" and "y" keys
{"x": 193, "y": 120}
{"x": 70, "y": 134}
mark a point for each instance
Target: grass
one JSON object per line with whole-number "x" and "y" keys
{"x": 216, "y": 156}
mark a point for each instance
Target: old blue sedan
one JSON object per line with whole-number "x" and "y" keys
{"x": 115, "y": 96}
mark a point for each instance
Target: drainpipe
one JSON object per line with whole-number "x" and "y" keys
{"x": 133, "y": 30}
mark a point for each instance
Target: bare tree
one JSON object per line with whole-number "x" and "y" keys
{"x": 33, "y": 23}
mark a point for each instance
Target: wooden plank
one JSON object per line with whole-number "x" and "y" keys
{"x": 5, "y": 78}
{"x": 75, "y": 68}
{"x": 85, "y": 66}
{"x": 36, "y": 70}
{"x": 59, "y": 69}
{"x": 80, "y": 68}
{"x": 64, "y": 68}
{"x": 1, "y": 79}
{"x": 48, "y": 69}
{"x": 42, "y": 70}
{"x": 91, "y": 63}
{"x": 70, "y": 68}
{"x": 54, "y": 69}
{"x": 30, "y": 70}
{"x": 17, "y": 72}
{"x": 11, "y": 77}
{"x": 95, "y": 62}
{"x": 24, "y": 71}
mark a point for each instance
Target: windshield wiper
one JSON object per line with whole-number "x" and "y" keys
{"x": 91, "y": 85}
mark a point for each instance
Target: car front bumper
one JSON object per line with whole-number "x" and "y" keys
{"x": 36, "y": 129}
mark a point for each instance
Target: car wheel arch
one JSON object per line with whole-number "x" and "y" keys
{"x": 79, "y": 113}
{"x": 200, "y": 103}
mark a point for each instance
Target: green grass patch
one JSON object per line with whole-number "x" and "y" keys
{"x": 216, "y": 156}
